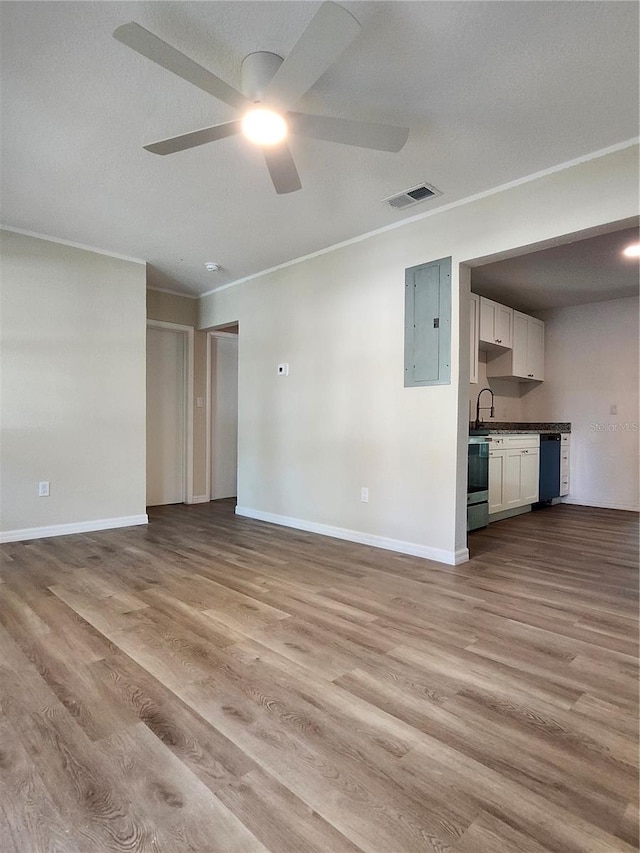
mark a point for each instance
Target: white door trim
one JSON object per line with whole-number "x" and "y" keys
{"x": 188, "y": 332}
{"x": 211, "y": 334}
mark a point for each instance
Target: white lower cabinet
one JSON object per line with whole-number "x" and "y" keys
{"x": 529, "y": 475}
{"x": 514, "y": 466}
{"x": 497, "y": 480}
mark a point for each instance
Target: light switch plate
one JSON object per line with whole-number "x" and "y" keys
{"x": 283, "y": 369}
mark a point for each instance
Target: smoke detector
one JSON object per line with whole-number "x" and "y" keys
{"x": 414, "y": 195}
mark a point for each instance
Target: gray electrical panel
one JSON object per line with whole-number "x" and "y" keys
{"x": 427, "y": 324}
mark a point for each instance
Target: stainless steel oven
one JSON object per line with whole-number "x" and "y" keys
{"x": 478, "y": 482}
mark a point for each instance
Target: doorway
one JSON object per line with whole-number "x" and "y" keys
{"x": 574, "y": 317}
{"x": 168, "y": 432}
{"x": 223, "y": 366}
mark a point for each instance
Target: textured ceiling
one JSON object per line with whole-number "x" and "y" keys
{"x": 491, "y": 91}
{"x": 585, "y": 270}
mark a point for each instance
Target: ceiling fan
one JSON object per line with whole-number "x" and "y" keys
{"x": 271, "y": 86}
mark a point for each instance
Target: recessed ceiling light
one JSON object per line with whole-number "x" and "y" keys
{"x": 210, "y": 266}
{"x": 264, "y": 127}
{"x": 632, "y": 251}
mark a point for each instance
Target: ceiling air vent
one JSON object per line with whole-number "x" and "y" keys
{"x": 412, "y": 196}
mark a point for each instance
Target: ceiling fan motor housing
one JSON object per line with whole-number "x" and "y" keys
{"x": 258, "y": 69}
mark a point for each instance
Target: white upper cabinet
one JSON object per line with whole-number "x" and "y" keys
{"x": 525, "y": 361}
{"x": 535, "y": 349}
{"x": 474, "y": 319}
{"x": 520, "y": 340}
{"x": 496, "y": 325}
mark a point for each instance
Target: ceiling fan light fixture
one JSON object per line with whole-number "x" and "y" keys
{"x": 264, "y": 127}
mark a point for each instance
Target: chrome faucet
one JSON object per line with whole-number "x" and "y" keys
{"x": 492, "y": 412}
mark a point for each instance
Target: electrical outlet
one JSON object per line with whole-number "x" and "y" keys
{"x": 364, "y": 495}
{"x": 43, "y": 489}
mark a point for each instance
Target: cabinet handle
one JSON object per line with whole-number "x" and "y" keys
{"x": 498, "y": 340}
{"x": 530, "y": 375}
{"x": 525, "y": 451}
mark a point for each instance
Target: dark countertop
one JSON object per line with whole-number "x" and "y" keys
{"x": 497, "y": 427}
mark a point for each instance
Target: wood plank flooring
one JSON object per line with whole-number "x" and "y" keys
{"x": 211, "y": 683}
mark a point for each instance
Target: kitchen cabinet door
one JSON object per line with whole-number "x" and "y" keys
{"x": 474, "y": 320}
{"x": 529, "y": 476}
{"x": 513, "y": 478}
{"x": 504, "y": 325}
{"x": 535, "y": 349}
{"x": 496, "y": 324}
{"x": 520, "y": 338}
{"x": 496, "y": 480}
{"x": 487, "y": 320}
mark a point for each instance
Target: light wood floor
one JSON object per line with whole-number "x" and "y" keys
{"x": 211, "y": 683}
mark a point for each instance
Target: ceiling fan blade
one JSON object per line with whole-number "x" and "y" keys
{"x": 196, "y": 137}
{"x": 382, "y": 137}
{"x": 158, "y": 51}
{"x": 282, "y": 168}
{"x": 331, "y": 30}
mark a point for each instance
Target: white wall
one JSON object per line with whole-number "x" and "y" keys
{"x": 591, "y": 363}
{"x": 172, "y": 308}
{"x": 507, "y": 395}
{"x": 342, "y": 418}
{"x": 72, "y": 389}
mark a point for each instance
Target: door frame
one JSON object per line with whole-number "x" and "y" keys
{"x": 212, "y": 333}
{"x": 188, "y": 334}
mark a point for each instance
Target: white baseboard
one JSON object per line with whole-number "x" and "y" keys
{"x": 451, "y": 558}
{"x": 460, "y": 556}
{"x": 77, "y": 527}
{"x": 199, "y": 499}
{"x": 509, "y": 513}
{"x": 597, "y": 504}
